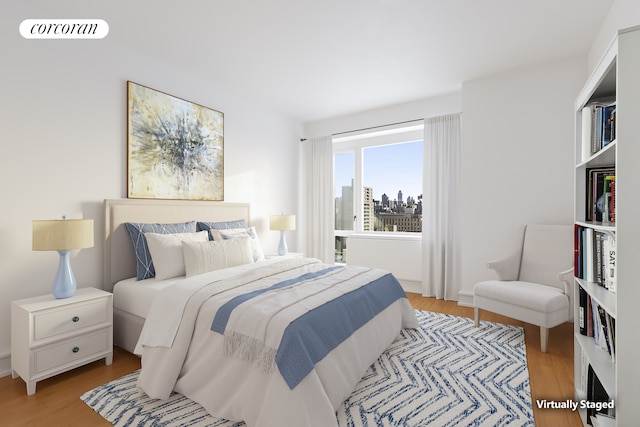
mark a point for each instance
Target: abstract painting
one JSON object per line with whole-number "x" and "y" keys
{"x": 175, "y": 147}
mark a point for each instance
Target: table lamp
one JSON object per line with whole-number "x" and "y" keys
{"x": 282, "y": 223}
{"x": 63, "y": 236}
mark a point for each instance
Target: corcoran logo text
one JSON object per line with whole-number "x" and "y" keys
{"x": 64, "y": 29}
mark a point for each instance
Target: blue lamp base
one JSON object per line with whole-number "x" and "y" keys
{"x": 282, "y": 247}
{"x": 64, "y": 284}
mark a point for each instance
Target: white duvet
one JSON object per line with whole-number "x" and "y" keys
{"x": 180, "y": 351}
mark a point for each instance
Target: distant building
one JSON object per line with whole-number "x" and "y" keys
{"x": 406, "y": 222}
{"x": 344, "y": 209}
{"x": 385, "y": 201}
{"x": 368, "y": 214}
{"x": 384, "y": 215}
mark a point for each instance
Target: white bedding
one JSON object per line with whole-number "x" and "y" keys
{"x": 186, "y": 356}
{"x": 135, "y": 296}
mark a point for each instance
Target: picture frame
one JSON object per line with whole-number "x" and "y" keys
{"x": 175, "y": 148}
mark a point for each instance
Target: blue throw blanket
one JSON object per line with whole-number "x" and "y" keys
{"x": 311, "y": 336}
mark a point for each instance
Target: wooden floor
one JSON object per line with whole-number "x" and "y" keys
{"x": 56, "y": 402}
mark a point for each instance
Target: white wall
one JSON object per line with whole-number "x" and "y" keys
{"x": 623, "y": 14}
{"x": 64, "y": 149}
{"x": 518, "y": 130}
{"x": 430, "y": 107}
{"x": 401, "y": 256}
{"x": 517, "y": 151}
{"x": 517, "y": 159}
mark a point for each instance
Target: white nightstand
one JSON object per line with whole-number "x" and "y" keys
{"x": 50, "y": 336}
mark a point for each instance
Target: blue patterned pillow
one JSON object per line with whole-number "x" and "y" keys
{"x": 221, "y": 225}
{"x": 144, "y": 263}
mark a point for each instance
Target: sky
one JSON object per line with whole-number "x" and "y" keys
{"x": 387, "y": 169}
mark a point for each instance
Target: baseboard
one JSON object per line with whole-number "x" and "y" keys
{"x": 5, "y": 364}
{"x": 411, "y": 286}
{"x": 465, "y": 299}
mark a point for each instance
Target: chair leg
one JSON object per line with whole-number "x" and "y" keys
{"x": 544, "y": 339}
{"x": 476, "y": 316}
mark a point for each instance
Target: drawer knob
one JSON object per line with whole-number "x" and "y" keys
{"x": 75, "y": 319}
{"x": 76, "y": 349}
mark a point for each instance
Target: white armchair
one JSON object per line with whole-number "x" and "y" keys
{"x": 534, "y": 283}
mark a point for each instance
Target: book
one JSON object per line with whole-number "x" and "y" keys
{"x": 594, "y": 256}
{"x": 598, "y": 126}
{"x": 594, "y": 188}
{"x": 596, "y": 329}
{"x": 612, "y": 206}
{"x": 582, "y": 310}
{"x": 589, "y": 255}
{"x": 587, "y": 122}
{"x": 607, "y": 124}
{"x": 596, "y": 137}
{"x": 597, "y": 393}
{"x": 610, "y": 325}
{"x": 577, "y": 251}
{"x": 589, "y": 317}
{"x": 610, "y": 262}
{"x": 606, "y": 197}
{"x": 599, "y": 258}
{"x": 605, "y": 338}
{"x": 612, "y": 119}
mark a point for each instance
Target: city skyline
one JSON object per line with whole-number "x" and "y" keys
{"x": 388, "y": 169}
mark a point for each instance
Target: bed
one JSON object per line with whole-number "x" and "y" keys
{"x": 132, "y": 298}
{"x": 272, "y": 342}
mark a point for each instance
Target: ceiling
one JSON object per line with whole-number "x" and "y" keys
{"x": 317, "y": 59}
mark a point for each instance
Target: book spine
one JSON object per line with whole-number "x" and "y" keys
{"x": 590, "y": 255}
{"x": 587, "y": 120}
{"x": 612, "y": 200}
{"x": 577, "y": 250}
{"x": 610, "y": 261}
{"x": 598, "y": 127}
{"x": 606, "y": 197}
{"x": 599, "y": 258}
{"x": 583, "y": 310}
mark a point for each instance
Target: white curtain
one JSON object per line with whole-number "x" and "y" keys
{"x": 319, "y": 199}
{"x": 440, "y": 229}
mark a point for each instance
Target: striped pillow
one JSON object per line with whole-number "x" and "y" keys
{"x": 202, "y": 257}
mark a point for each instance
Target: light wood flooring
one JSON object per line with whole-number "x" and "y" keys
{"x": 56, "y": 402}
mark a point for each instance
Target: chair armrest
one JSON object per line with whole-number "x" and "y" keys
{"x": 507, "y": 268}
{"x": 566, "y": 276}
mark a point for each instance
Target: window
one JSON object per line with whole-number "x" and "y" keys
{"x": 378, "y": 183}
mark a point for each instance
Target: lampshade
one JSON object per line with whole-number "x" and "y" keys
{"x": 62, "y": 234}
{"x": 282, "y": 222}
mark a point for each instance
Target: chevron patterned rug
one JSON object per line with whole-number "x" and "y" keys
{"x": 446, "y": 373}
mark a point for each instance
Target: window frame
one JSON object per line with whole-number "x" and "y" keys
{"x": 355, "y": 143}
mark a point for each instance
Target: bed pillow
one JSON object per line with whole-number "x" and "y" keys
{"x": 144, "y": 263}
{"x": 234, "y": 233}
{"x": 166, "y": 252}
{"x": 202, "y": 257}
{"x": 221, "y": 225}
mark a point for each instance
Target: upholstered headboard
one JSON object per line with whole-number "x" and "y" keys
{"x": 119, "y": 258}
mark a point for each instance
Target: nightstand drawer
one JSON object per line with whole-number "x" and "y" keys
{"x": 70, "y": 317}
{"x": 50, "y": 335}
{"x": 70, "y": 350}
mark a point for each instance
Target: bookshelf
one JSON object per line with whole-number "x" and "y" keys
{"x": 614, "y": 88}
